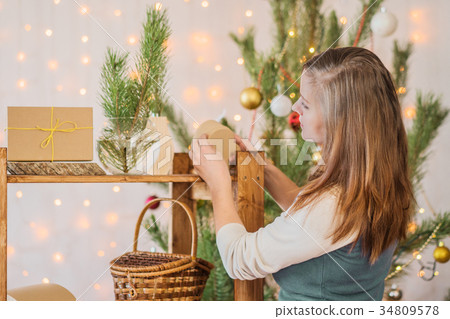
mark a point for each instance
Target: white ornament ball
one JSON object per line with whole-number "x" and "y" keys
{"x": 383, "y": 23}
{"x": 281, "y": 105}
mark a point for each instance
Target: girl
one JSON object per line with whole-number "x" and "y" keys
{"x": 337, "y": 234}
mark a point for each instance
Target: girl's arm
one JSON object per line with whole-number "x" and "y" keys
{"x": 216, "y": 174}
{"x": 280, "y": 187}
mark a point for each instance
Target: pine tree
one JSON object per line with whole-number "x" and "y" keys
{"x": 130, "y": 97}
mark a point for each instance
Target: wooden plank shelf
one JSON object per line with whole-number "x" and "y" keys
{"x": 176, "y": 178}
{"x": 186, "y": 187}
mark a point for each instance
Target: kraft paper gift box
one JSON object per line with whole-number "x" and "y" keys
{"x": 50, "y": 134}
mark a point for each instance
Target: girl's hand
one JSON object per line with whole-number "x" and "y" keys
{"x": 209, "y": 163}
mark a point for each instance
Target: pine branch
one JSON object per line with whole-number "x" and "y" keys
{"x": 333, "y": 32}
{"x": 251, "y": 57}
{"x": 429, "y": 117}
{"x": 369, "y": 9}
{"x": 400, "y": 64}
{"x": 178, "y": 126}
{"x": 161, "y": 237}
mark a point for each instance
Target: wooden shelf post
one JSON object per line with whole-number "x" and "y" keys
{"x": 250, "y": 206}
{"x": 3, "y": 223}
{"x": 181, "y": 235}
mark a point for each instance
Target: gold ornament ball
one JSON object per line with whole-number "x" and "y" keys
{"x": 250, "y": 98}
{"x": 441, "y": 254}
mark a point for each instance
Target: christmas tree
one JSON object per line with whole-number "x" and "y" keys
{"x": 302, "y": 30}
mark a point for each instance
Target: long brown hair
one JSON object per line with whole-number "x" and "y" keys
{"x": 365, "y": 150}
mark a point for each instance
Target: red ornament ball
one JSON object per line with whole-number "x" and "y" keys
{"x": 294, "y": 121}
{"x": 155, "y": 205}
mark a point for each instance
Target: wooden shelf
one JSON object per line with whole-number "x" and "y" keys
{"x": 176, "y": 178}
{"x": 186, "y": 188}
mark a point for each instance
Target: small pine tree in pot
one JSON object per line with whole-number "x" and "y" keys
{"x": 129, "y": 97}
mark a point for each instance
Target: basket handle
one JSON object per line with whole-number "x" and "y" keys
{"x": 185, "y": 208}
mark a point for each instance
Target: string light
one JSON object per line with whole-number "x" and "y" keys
{"x": 311, "y": 50}
{"x": 116, "y": 189}
{"x": 416, "y": 37}
{"x": 45, "y": 280}
{"x": 133, "y": 75}
{"x": 291, "y": 33}
{"x": 84, "y": 10}
{"x": 240, "y": 61}
{"x": 343, "y": 20}
{"x": 21, "y": 83}
{"x": 200, "y": 59}
{"x": 100, "y": 253}
{"x": 10, "y": 250}
{"x": 49, "y": 32}
{"x": 83, "y": 91}
{"x": 56, "y": 1}
{"x": 57, "y": 202}
{"x": 21, "y": 56}
{"x": 19, "y": 194}
{"x": 191, "y": 95}
{"x": 85, "y": 60}
{"x": 421, "y": 210}
{"x": 237, "y": 117}
{"x": 198, "y": 38}
{"x": 218, "y": 68}
{"x": 292, "y": 95}
{"x": 111, "y": 218}
{"x": 27, "y": 27}
{"x": 41, "y": 233}
{"x": 59, "y": 88}
{"x": 25, "y": 273}
{"x": 84, "y": 38}
{"x": 205, "y": 4}
{"x": 83, "y": 222}
{"x": 132, "y": 40}
{"x": 401, "y": 90}
{"x": 195, "y": 125}
{"x": 248, "y": 13}
{"x": 167, "y": 204}
{"x": 52, "y": 64}
{"x": 87, "y": 203}
{"x": 112, "y": 244}
{"x": 32, "y": 224}
{"x": 215, "y": 93}
{"x": 241, "y": 30}
{"x": 410, "y": 112}
{"x": 117, "y": 13}
{"x": 419, "y": 257}
{"x": 158, "y": 6}
{"x": 415, "y": 15}
{"x": 58, "y": 257}
{"x": 97, "y": 287}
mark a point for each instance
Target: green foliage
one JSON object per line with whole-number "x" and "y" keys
{"x": 369, "y": 9}
{"x": 333, "y": 33}
{"x": 429, "y": 117}
{"x": 178, "y": 126}
{"x": 416, "y": 239}
{"x": 400, "y": 65}
{"x": 128, "y": 101}
{"x": 158, "y": 235}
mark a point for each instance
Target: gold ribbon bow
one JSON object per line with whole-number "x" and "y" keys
{"x": 52, "y": 130}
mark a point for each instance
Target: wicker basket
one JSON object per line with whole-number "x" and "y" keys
{"x": 140, "y": 275}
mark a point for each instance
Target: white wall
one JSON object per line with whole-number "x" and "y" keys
{"x": 189, "y": 84}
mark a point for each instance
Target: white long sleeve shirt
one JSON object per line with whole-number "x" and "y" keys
{"x": 292, "y": 238}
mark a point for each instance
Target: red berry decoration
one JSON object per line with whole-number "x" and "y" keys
{"x": 155, "y": 205}
{"x": 294, "y": 121}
